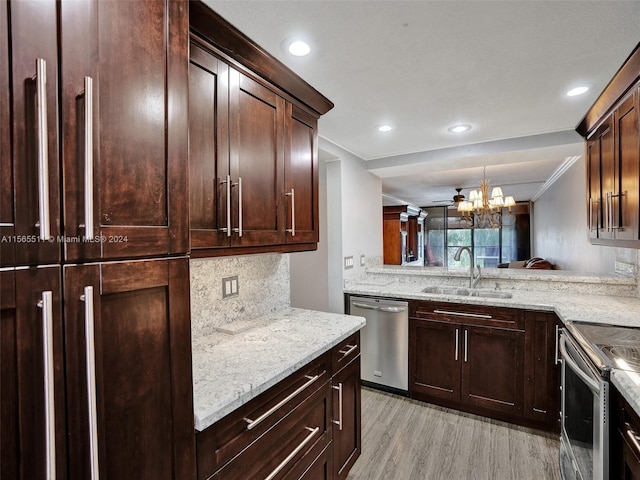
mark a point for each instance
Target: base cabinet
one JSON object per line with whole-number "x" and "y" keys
{"x": 345, "y": 384}
{"x": 495, "y": 362}
{"x": 624, "y": 451}
{"x": 307, "y": 426}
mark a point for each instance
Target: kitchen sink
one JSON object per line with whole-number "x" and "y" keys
{"x": 490, "y": 294}
{"x": 465, "y": 292}
{"x": 447, "y": 291}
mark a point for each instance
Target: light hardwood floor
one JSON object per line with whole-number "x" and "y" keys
{"x": 403, "y": 439}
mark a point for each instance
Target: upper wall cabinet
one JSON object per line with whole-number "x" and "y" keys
{"x": 29, "y": 186}
{"x": 613, "y": 159}
{"x": 253, "y": 149}
{"x": 124, "y": 127}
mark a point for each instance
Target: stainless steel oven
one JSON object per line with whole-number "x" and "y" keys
{"x": 589, "y": 352}
{"x": 584, "y": 442}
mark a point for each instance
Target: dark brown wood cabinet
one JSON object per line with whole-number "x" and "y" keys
{"x": 346, "y": 421}
{"x": 459, "y": 355}
{"x": 253, "y": 146}
{"x": 32, "y": 413}
{"x": 133, "y": 375}
{"x": 612, "y": 155}
{"x": 29, "y": 186}
{"x": 542, "y": 369}
{"x": 124, "y": 84}
{"x": 305, "y": 426}
{"x": 301, "y": 176}
{"x": 624, "y": 451}
{"x": 493, "y": 361}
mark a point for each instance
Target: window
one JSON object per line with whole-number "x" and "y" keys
{"x": 445, "y": 234}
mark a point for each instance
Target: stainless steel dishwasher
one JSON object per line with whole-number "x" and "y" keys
{"x": 384, "y": 353}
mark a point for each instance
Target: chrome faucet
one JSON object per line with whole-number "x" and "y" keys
{"x": 473, "y": 281}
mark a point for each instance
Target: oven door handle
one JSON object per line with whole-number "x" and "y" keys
{"x": 591, "y": 383}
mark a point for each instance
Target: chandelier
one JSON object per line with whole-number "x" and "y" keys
{"x": 482, "y": 210}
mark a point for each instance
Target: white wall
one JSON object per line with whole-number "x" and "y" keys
{"x": 353, "y": 227}
{"x": 560, "y": 232}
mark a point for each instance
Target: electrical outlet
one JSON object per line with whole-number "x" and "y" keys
{"x": 362, "y": 260}
{"x": 230, "y": 287}
{"x": 348, "y": 262}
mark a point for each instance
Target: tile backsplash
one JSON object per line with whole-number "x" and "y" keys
{"x": 263, "y": 287}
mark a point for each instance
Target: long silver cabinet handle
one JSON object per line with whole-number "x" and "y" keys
{"x": 43, "y": 151}
{"x": 457, "y": 342}
{"x": 239, "y": 229}
{"x": 254, "y": 423}
{"x": 633, "y": 438}
{"x": 87, "y": 298}
{"x": 227, "y": 181}
{"x": 557, "y": 359}
{"x": 379, "y": 309}
{"x": 466, "y": 344}
{"x": 283, "y": 464}
{"x": 350, "y": 348}
{"x": 46, "y": 304}
{"x": 88, "y": 157}
{"x": 461, "y": 314}
{"x": 292, "y": 230}
{"x": 339, "y": 421}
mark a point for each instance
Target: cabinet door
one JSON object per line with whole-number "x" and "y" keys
{"x": 594, "y": 218}
{"x": 605, "y": 144}
{"x": 434, "y": 359}
{"x": 542, "y": 369}
{"x": 125, "y": 137}
{"x": 492, "y": 368}
{"x": 209, "y": 208}
{"x": 346, "y": 419}
{"x": 32, "y": 410}
{"x": 256, "y": 132}
{"x": 625, "y": 200}
{"x": 29, "y": 188}
{"x": 301, "y": 177}
{"x": 139, "y": 390}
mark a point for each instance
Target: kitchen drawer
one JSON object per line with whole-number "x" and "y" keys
{"x": 468, "y": 314}
{"x": 230, "y": 436}
{"x": 288, "y": 446}
{"x": 315, "y": 465}
{"x": 344, "y": 352}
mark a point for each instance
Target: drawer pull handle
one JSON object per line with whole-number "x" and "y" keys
{"x": 339, "y": 421}
{"x": 350, "y": 348}
{"x": 253, "y": 423}
{"x": 634, "y": 439}
{"x": 46, "y": 304}
{"x": 461, "y": 314}
{"x": 294, "y": 453}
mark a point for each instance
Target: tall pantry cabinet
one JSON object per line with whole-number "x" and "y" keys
{"x": 95, "y": 345}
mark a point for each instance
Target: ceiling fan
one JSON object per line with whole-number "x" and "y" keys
{"x": 459, "y": 197}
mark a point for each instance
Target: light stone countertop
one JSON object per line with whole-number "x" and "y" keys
{"x": 229, "y": 369}
{"x": 581, "y": 307}
{"x": 628, "y": 384}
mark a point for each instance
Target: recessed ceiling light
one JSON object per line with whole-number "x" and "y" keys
{"x": 459, "y": 128}
{"x": 577, "y": 91}
{"x": 385, "y": 128}
{"x": 299, "y": 48}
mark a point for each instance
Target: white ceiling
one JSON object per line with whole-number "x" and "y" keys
{"x": 501, "y": 66}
